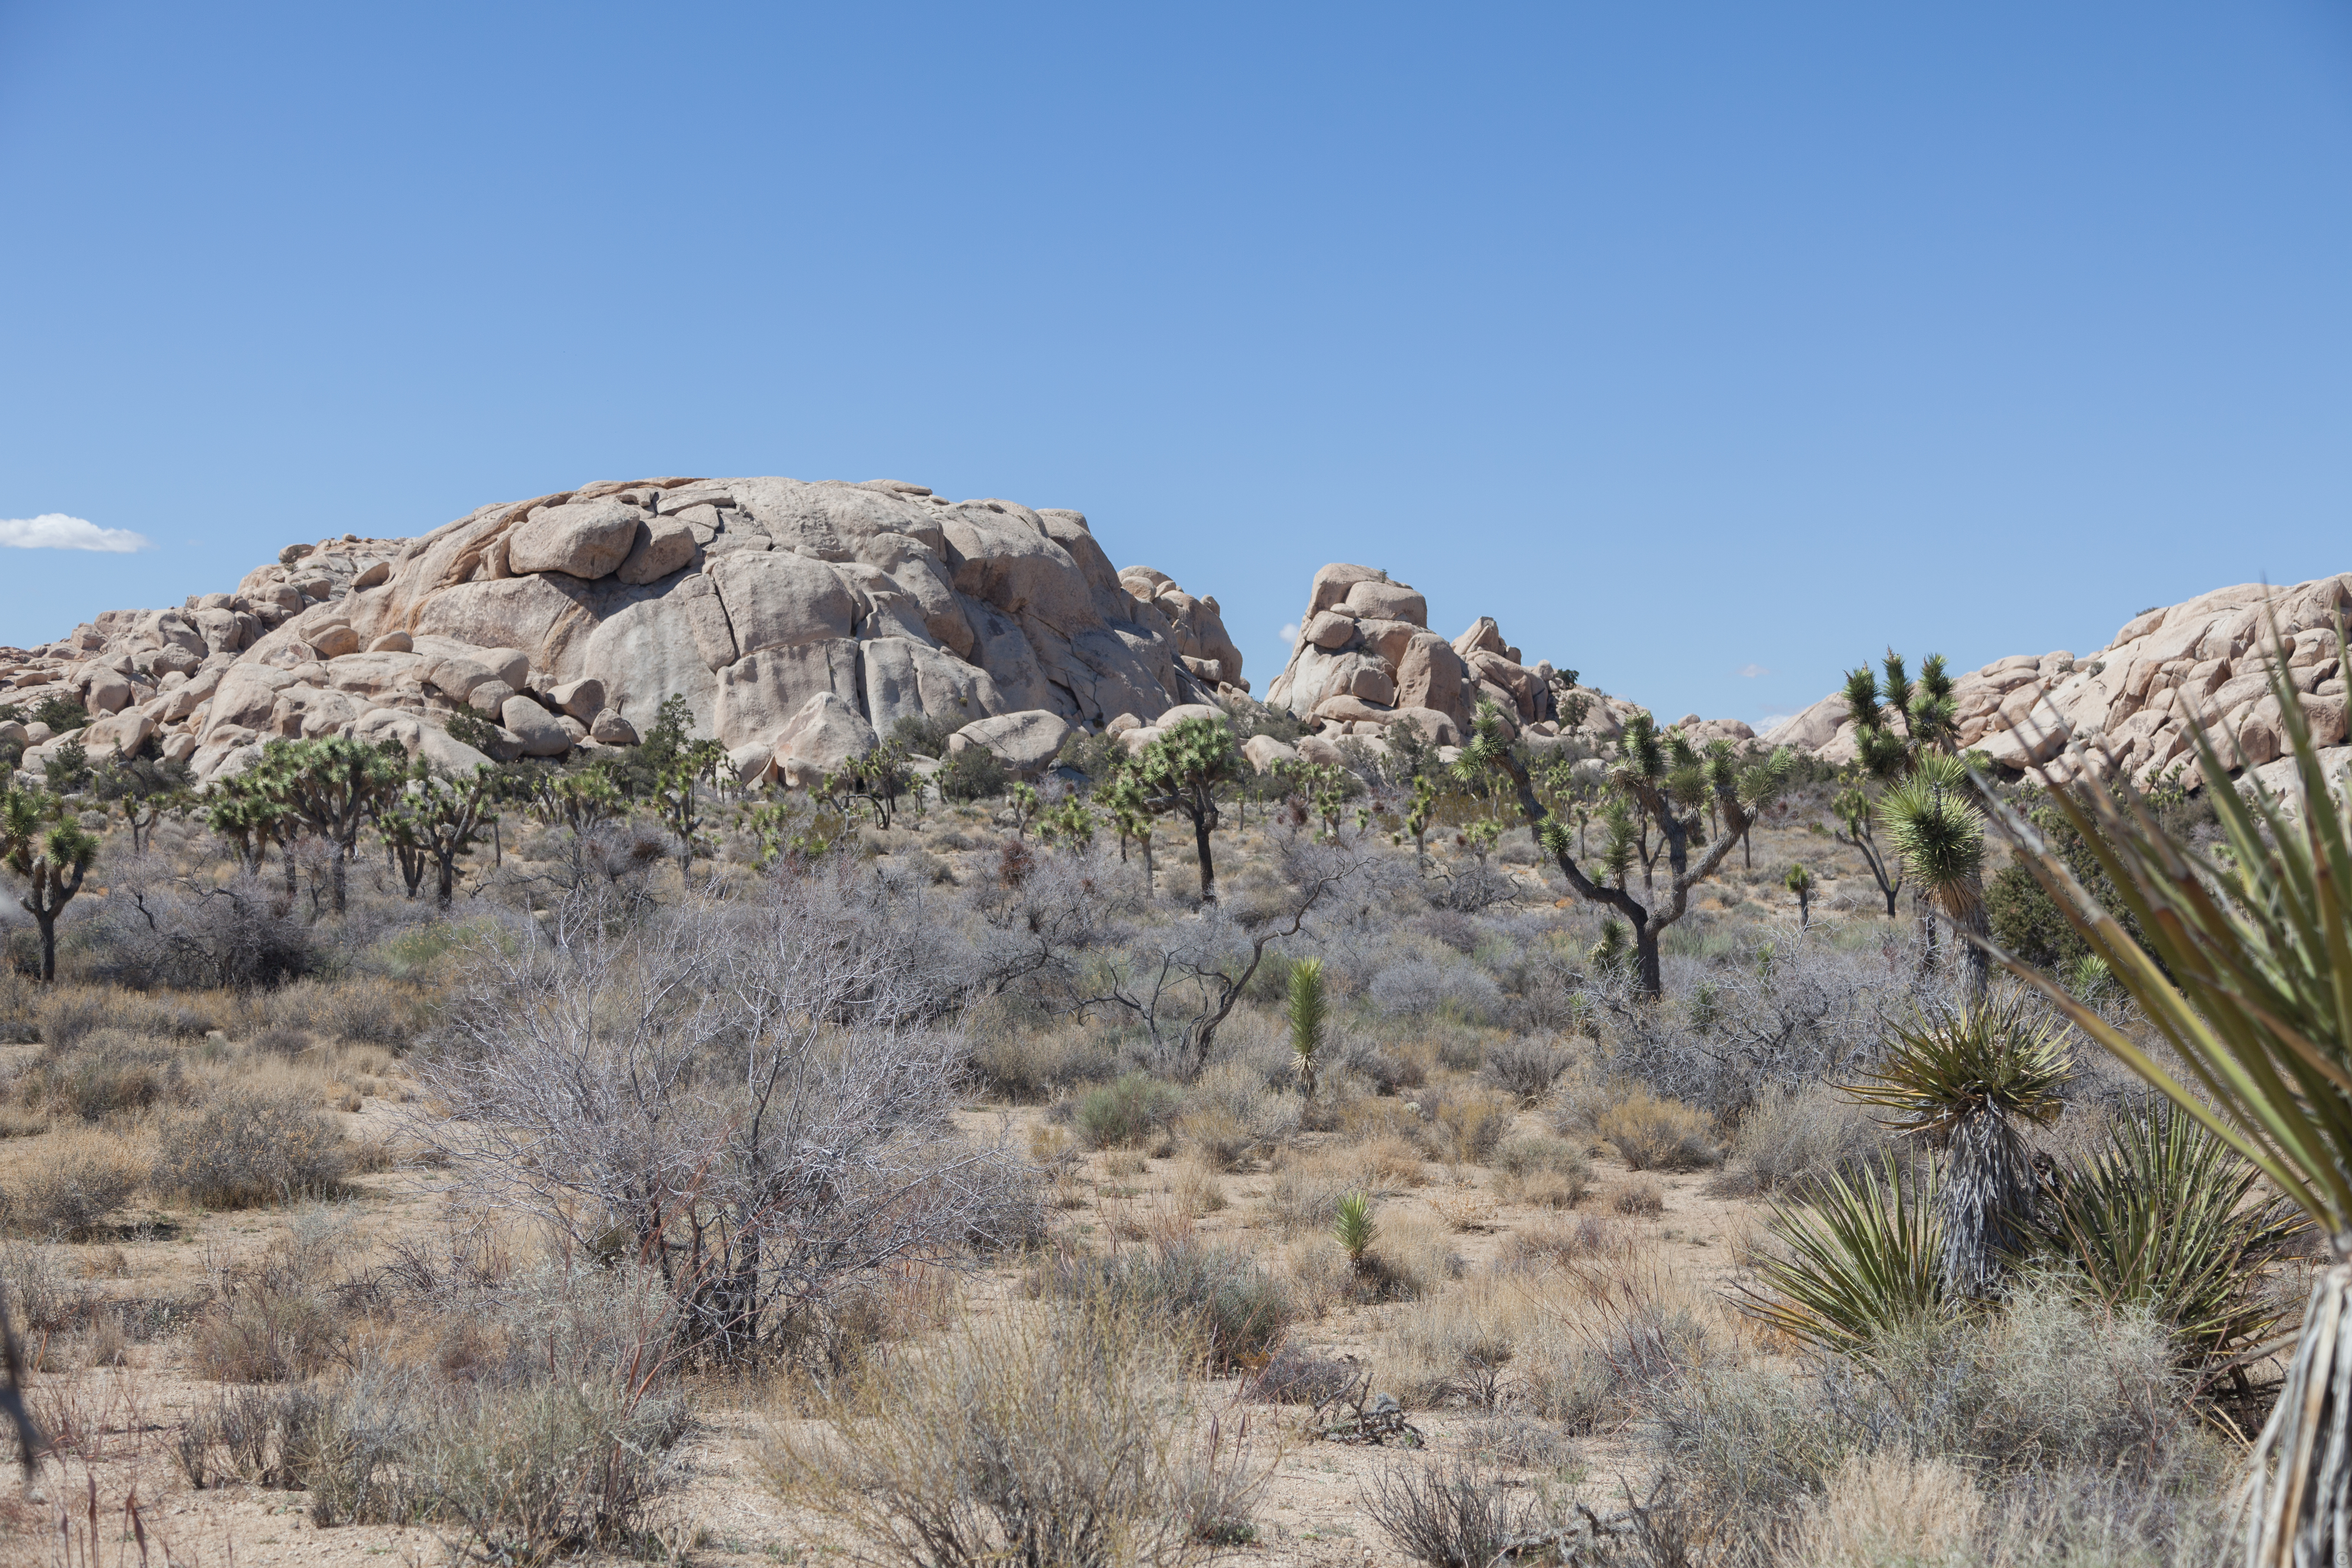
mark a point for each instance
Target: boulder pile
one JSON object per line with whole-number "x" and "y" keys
{"x": 2127, "y": 709}
{"x": 1365, "y": 659}
{"x": 798, "y": 620}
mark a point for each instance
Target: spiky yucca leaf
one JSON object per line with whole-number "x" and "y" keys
{"x": 1860, "y": 1263}
{"x": 2244, "y": 965}
{"x": 2168, "y": 1217}
{"x": 1354, "y": 1228}
{"x": 1942, "y": 1067}
{"x": 1939, "y": 834}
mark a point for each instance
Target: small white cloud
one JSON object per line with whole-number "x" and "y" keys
{"x": 1290, "y": 633}
{"x": 56, "y": 531}
{"x": 1750, "y": 671}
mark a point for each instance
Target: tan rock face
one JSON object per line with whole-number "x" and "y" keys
{"x": 2124, "y": 711}
{"x": 747, "y": 597}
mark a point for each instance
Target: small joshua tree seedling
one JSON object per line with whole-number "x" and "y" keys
{"x": 1308, "y": 1010}
{"x": 1354, "y": 1229}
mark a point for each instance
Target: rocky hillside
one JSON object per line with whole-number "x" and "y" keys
{"x": 797, "y": 619}
{"x": 2126, "y": 709}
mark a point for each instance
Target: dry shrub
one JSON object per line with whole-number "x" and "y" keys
{"x": 1474, "y": 1122}
{"x": 361, "y": 1010}
{"x": 1642, "y": 1197}
{"x": 1296, "y": 1375}
{"x": 104, "y": 1072}
{"x": 1789, "y": 1140}
{"x": 1030, "y": 1066}
{"x": 1038, "y": 1437}
{"x": 1215, "y": 1304}
{"x": 1550, "y": 1172}
{"x": 1395, "y": 1164}
{"x": 1650, "y": 1133}
{"x": 1451, "y": 1516}
{"x": 1197, "y": 1190}
{"x": 251, "y": 1147}
{"x": 1891, "y": 1508}
{"x": 1636, "y": 1332}
{"x": 68, "y": 1014}
{"x": 1526, "y": 1068}
{"x": 82, "y": 1175}
{"x": 1412, "y": 1256}
{"x": 1577, "y": 1102}
{"x": 526, "y": 1468}
{"x": 1554, "y": 1244}
{"x": 1457, "y": 1345}
{"x": 1230, "y": 1115}
{"x": 1304, "y": 1194}
{"x": 1319, "y": 1276}
{"x": 1134, "y": 1111}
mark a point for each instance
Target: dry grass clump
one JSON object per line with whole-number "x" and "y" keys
{"x": 105, "y": 1072}
{"x": 1197, "y": 1190}
{"x": 1526, "y": 1068}
{"x": 1555, "y": 1243}
{"x": 1550, "y": 1172}
{"x": 1032, "y": 1436}
{"x": 1878, "y": 1508}
{"x": 1642, "y": 1198}
{"x": 1474, "y": 1122}
{"x": 1650, "y": 1133}
{"x": 1231, "y": 1116}
{"x": 1305, "y": 1193}
{"x": 359, "y": 1009}
{"x": 1394, "y": 1163}
{"x": 1217, "y": 1304}
{"x": 1136, "y": 1111}
{"x": 1788, "y": 1141}
{"x": 81, "y": 1175}
{"x": 250, "y": 1146}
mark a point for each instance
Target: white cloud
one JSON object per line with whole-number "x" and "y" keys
{"x": 1750, "y": 671}
{"x": 56, "y": 531}
{"x": 1290, "y": 634}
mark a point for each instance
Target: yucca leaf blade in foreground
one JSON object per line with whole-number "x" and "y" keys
{"x": 2245, "y": 969}
{"x": 1862, "y": 1260}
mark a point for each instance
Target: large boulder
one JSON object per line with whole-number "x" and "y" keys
{"x": 823, "y": 733}
{"x": 587, "y": 541}
{"x": 1027, "y": 743}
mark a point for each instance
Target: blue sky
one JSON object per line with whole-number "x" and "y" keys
{"x": 1709, "y": 348}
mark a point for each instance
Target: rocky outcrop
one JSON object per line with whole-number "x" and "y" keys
{"x": 566, "y": 620}
{"x": 1365, "y": 659}
{"x": 2127, "y": 710}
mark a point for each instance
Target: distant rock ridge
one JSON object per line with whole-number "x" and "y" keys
{"x": 796, "y": 619}
{"x": 2127, "y": 711}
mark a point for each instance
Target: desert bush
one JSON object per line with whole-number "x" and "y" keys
{"x": 1062, "y": 1438}
{"x": 1525, "y": 1068}
{"x": 971, "y": 775}
{"x": 1304, "y": 1194}
{"x": 40, "y": 1299}
{"x": 1637, "y": 1332}
{"x": 1791, "y": 1140}
{"x": 80, "y": 1176}
{"x": 105, "y": 1072}
{"x": 359, "y": 1010}
{"x": 261, "y": 1437}
{"x": 775, "y": 1063}
{"x": 1550, "y": 1173}
{"x": 1417, "y": 987}
{"x": 1472, "y": 1122}
{"x": 1553, "y": 1244}
{"x": 527, "y": 1469}
{"x": 1136, "y": 1110}
{"x": 1653, "y": 1134}
{"x": 1642, "y": 1198}
{"x": 248, "y": 1147}
{"x": 1885, "y": 1508}
{"x": 1448, "y": 1516}
{"x": 1230, "y": 1115}
{"x": 1293, "y": 1375}
{"x": 1218, "y": 1304}
{"x": 1026, "y": 1065}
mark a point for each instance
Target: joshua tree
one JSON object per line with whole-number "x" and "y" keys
{"x": 1885, "y": 757}
{"x": 1025, "y": 808}
{"x": 1129, "y": 804}
{"x": 1757, "y": 784}
{"x": 1181, "y": 773}
{"x": 1308, "y": 1009}
{"x": 332, "y": 786}
{"x": 1940, "y": 835}
{"x": 1071, "y": 822}
{"x": 251, "y": 822}
{"x": 1661, "y": 781}
{"x": 48, "y": 849}
{"x": 1965, "y": 1080}
{"x": 675, "y": 796}
{"x": 1853, "y": 809}
{"x": 437, "y": 821}
{"x": 1416, "y": 819}
{"x": 1800, "y": 881}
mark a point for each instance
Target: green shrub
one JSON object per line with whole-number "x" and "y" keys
{"x": 973, "y": 773}
{"x": 1133, "y": 1111}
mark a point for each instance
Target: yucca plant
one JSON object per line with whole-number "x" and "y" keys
{"x": 1800, "y": 881}
{"x": 1308, "y": 1010}
{"x": 1965, "y": 1078}
{"x": 2170, "y": 1218}
{"x": 1354, "y": 1229}
{"x": 1861, "y": 1262}
{"x": 2244, "y": 966}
